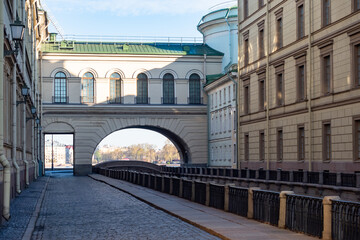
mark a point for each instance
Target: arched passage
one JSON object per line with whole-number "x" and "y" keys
{"x": 118, "y": 145}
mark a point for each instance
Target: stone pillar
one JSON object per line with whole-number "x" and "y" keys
{"x": 181, "y": 188}
{"x": 207, "y": 202}
{"x": 278, "y": 174}
{"x": 357, "y": 180}
{"x": 267, "y": 175}
{"x": 321, "y": 178}
{"x": 250, "y": 213}
{"x": 247, "y": 173}
{"x": 282, "y": 211}
{"x": 193, "y": 191}
{"x": 291, "y": 176}
{"x": 327, "y": 216}
{"x": 305, "y": 176}
{"x": 338, "y": 179}
{"x": 227, "y": 196}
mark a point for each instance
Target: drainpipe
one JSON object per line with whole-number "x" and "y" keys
{"x": 14, "y": 133}
{"x": 4, "y": 162}
{"x": 27, "y": 182}
{"x": 235, "y": 116}
{"x": 34, "y": 100}
{"x": 309, "y": 87}
{"x": 208, "y": 112}
{"x": 267, "y": 87}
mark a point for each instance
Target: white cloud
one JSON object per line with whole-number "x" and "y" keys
{"x": 137, "y": 7}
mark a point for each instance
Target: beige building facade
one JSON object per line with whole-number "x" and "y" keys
{"x": 299, "y": 85}
{"x": 91, "y": 89}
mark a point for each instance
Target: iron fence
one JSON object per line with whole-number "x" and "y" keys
{"x": 285, "y": 176}
{"x": 158, "y": 186}
{"x": 266, "y": 206}
{"x": 348, "y": 180}
{"x": 252, "y": 174}
{"x": 217, "y": 196}
{"x": 298, "y": 176}
{"x": 166, "y": 185}
{"x": 176, "y": 186}
{"x": 200, "y": 192}
{"x": 313, "y": 177}
{"x": 243, "y": 173}
{"x": 273, "y": 175}
{"x": 304, "y": 214}
{"x": 238, "y": 201}
{"x": 345, "y": 222}
{"x": 187, "y": 189}
{"x": 262, "y": 174}
{"x": 329, "y": 178}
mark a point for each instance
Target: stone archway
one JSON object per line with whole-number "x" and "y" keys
{"x": 185, "y": 127}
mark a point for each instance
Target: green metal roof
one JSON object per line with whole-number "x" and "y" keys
{"x": 195, "y": 49}
{"x": 214, "y": 77}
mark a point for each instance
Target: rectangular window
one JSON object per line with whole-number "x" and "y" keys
{"x": 280, "y": 146}
{"x": 301, "y": 83}
{"x": 262, "y": 146}
{"x": 246, "y": 147}
{"x": 280, "y": 89}
{"x": 261, "y": 43}
{"x": 300, "y": 21}
{"x": 279, "y": 32}
{"x": 220, "y": 98}
{"x": 357, "y": 65}
{"x": 325, "y": 12}
{"x": 246, "y": 52}
{"x": 357, "y": 140}
{"x": 326, "y": 142}
{"x": 301, "y": 143}
{"x": 229, "y": 93}
{"x": 261, "y": 95}
{"x": 246, "y": 99}
{"x": 357, "y": 5}
{"x": 326, "y": 75}
{"x": 261, "y": 3}
{"x": 224, "y": 96}
{"x": 246, "y": 9}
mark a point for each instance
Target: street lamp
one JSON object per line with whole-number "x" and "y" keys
{"x": 33, "y": 110}
{"x": 24, "y": 93}
{"x": 17, "y": 33}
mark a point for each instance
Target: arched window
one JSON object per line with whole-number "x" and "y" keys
{"x": 194, "y": 89}
{"x": 87, "y": 88}
{"x": 142, "y": 89}
{"x": 60, "y": 88}
{"x": 115, "y": 88}
{"x": 168, "y": 89}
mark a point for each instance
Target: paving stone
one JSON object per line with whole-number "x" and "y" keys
{"x": 81, "y": 208}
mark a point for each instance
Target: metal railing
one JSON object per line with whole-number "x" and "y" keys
{"x": 200, "y": 192}
{"x": 117, "y": 100}
{"x": 345, "y": 222}
{"x": 166, "y": 185}
{"x": 87, "y": 99}
{"x": 168, "y": 100}
{"x": 298, "y": 176}
{"x": 158, "y": 186}
{"x": 313, "y": 177}
{"x": 176, "y": 186}
{"x": 304, "y": 214}
{"x": 238, "y": 201}
{"x": 195, "y": 100}
{"x": 348, "y": 180}
{"x": 329, "y": 178}
{"x": 60, "y": 99}
{"x": 217, "y": 196}
{"x": 266, "y": 206}
{"x": 187, "y": 189}
{"x": 142, "y": 100}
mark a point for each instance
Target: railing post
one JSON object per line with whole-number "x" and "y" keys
{"x": 207, "y": 202}
{"x": 282, "y": 212}
{"x": 227, "y": 196}
{"x": 247, "y": 173}
{"x": 305, "y": 176}
{"x": 193, "y": 190}
{"x": 326, "y": 235}
{"x": 144, "y": 180}
{"x": 291, "y": 176}
{"x": 257, "y": 173}
{"x": 267, "y": 176}
{"x": 180, "y": 187}
{"x": 321, "y": 178}
{"x": 250, "y": 213}
{"x": 278, "y": 174}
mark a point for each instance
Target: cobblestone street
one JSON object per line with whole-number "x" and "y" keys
{"x": 81, "y": 208}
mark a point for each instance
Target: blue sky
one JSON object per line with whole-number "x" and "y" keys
{"x": 174, "y": 18}
{"x": 157, "y": 18}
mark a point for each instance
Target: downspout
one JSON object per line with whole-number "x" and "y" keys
{"x": 14, "y": 133}
{"x": 267, "y": 87}
{"x": 235, "y": 116}
{"x": 309, "y": 87}
{"x": 4, "y": 162}
{"x": 24, "y": 106}
{"x": 34, "y": 100}
{"x": 238, "y": 129}
{"x": 208, "y": 112}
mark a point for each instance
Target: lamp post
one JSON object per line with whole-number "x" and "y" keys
{"x": 24, "y": 93}
{"x": 17, "y": 33}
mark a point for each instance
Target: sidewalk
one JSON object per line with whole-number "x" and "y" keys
{"x": 220, "y": 223}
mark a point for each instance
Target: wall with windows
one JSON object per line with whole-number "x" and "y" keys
{"x": 222, "y": 122}
{"x": 306, "y": 103}
{"x": 134, "y": 79}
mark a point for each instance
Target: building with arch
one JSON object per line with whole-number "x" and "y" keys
{"x": 101, "y": 87}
